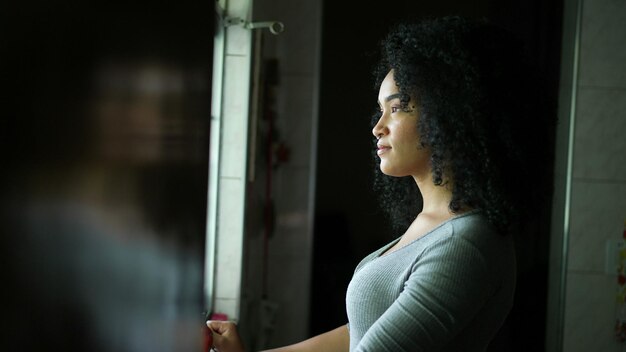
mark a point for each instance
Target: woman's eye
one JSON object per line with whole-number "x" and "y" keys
{"x": 394, "y": 109}
{"x": 405, "y": 109}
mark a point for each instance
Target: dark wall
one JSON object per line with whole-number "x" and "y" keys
{"x": 348, "y": 223}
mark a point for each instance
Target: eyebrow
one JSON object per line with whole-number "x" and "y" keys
{"x": 392, "y": 97}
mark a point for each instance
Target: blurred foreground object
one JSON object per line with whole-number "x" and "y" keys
{"x": 103, "y": 197}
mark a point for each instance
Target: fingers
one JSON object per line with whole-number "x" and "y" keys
{"x": 221, "y": 327}
{"x": 225, "y": 336}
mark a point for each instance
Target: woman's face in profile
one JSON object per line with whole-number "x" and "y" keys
{"x": 399, "y": 148}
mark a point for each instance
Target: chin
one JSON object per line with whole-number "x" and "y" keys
{"x": 390, "y": 172}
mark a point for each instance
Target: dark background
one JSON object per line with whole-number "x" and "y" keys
{"x": 349, "y": 224}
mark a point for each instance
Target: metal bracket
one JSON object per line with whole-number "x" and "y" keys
{"x": 275, "y": 27}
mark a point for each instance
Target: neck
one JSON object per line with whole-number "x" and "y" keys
{"x": 436, "y": 199}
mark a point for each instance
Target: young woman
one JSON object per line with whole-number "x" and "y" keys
{"x": 454, "y": 177}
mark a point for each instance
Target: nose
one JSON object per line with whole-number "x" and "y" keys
{"x": 380, "y": 129}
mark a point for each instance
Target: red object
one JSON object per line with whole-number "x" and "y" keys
{"x": 219, "y": 316}
{"x": 621, "y": 280}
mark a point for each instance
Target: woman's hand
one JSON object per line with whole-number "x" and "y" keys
{"x": 225, "y": 336}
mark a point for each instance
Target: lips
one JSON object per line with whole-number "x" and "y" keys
{"x": 382, "y": 149}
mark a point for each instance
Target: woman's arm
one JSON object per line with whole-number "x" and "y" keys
{"x": 337, "y": 340}
{"x": 226, "y": 339}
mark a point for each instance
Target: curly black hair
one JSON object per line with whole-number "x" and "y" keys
{"x": 474, "y": 89}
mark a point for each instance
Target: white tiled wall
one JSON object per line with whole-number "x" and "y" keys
{"x": 603, "y": 50}
{"x": 600, "y": 124}
{"x": 598, "y": 210}
{"x": 290, "y": 246}
{"x": 590, "y": 301}
{"x": 227, "y": 232}
{"x": 290, "y": 251}
{"x": 598, "y": 192}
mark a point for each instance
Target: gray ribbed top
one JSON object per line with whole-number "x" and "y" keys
{"x": 449, "y": 290}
